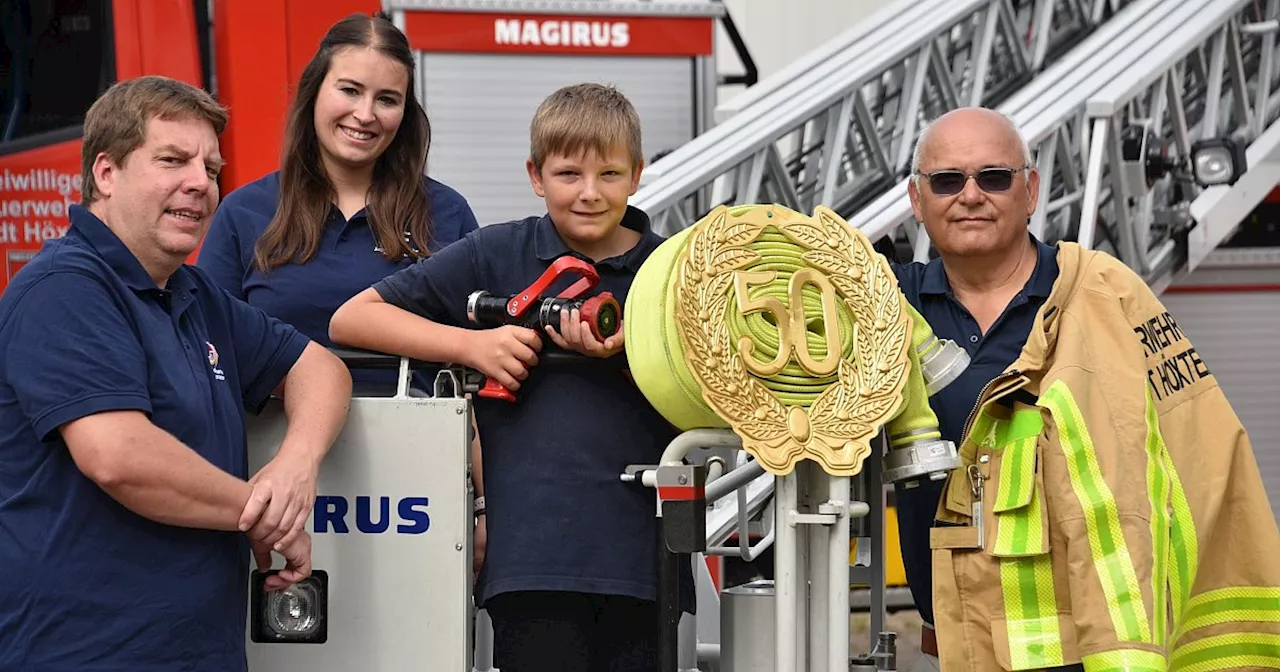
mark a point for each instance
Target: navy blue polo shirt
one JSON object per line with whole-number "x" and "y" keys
{"x": 307, "y": 295}
{"x": 86, "y": 584}
{"x": 559, "y": 518}
{"x": 929, "y": 292}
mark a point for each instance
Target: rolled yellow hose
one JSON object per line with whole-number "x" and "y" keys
{"x": 790, "y": 329}
{"x": 915, "y": 421}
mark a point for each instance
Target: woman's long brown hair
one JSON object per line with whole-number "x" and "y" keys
{"x": 397, "y": 201}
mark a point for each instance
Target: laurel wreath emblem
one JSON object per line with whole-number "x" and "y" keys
{"x": 837, "y": 427}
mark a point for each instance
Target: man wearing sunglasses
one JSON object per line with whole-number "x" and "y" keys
{"x": 1094, "y": 438}
{"x": 973, "y": 187}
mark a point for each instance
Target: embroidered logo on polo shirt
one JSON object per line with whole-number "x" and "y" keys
{"x": 213, "y": 362}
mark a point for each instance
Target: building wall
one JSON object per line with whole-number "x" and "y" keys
{"x": 777, "y": 31}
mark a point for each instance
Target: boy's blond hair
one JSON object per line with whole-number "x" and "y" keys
{"x": 584, "y": 117}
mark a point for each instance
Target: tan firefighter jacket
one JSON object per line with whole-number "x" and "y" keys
{"x": 1123, "y": 518}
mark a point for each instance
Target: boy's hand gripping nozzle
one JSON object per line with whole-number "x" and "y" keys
{"x": 531, "y": 310}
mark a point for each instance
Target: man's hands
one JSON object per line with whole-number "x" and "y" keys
{"x": 284, "y": 492}
{"x": 297, "y": 558}
{"x": 576, "y": 335}
{"x": 505, "y": 354}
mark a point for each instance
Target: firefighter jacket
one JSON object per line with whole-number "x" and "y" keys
{"x": 1110, "y": 510}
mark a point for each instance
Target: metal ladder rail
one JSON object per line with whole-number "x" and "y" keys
{"x": 1045, "y": 44}
{"x": 1002, "y": 63}
{"x": 693, "y": 154}
{"x": 721, "y": 148}
{"x": 796, "y": 145}
{"x": 1051, "y": 112}
{"x": 1004, "y": 79}
{"x": 1216, "y": 79}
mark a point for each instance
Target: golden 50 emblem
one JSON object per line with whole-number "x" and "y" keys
{"x": 795, "y": 331}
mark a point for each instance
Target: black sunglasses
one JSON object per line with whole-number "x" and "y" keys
{"x": 990, "y": 180}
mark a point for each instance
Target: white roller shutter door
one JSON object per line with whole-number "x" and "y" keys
{"x": 480, "y": 106}
{"x": 1235, "y": 334}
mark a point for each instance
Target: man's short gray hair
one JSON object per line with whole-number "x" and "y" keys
{"x": 924, "y": 133}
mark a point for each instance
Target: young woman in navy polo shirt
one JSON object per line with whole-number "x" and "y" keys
{"x": 351, "y": 204}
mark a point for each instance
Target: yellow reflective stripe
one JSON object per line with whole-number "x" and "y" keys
{"x": 1017, "y": 475}
{"x": 1184, "y": 546}
{"x": 1251, "y": 604}
{"x": 992, "y": 432}
{"x": 1242, "y": 662}
{"x": 1021, "y": 532}
{"x": 1158, "y": 492}
{"x": 1125, "y": 660}
{"x": 1031, "y": 612}
{"x": 1245, "y": 650}
{"x": 1017, "y": 507}
{"x": 983, "y": 431}
{"x": 1025, "y": 423}
{"x": 1110, "y": 554}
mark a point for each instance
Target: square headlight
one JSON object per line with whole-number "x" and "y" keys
{"x": 298, "y": 614}
{"x": 1217, "y": 161}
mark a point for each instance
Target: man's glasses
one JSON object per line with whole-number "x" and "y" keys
{"x": 990, "y": 180}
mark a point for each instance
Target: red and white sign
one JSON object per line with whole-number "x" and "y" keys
{"x": 37, "y": 188}
{"x": 482, "y": 32}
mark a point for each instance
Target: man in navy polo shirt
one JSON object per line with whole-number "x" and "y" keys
{"x": 124, "y": 376}
{"x": 973, "y": 187}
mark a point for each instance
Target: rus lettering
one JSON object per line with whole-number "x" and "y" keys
{"x": 330, "y": 512}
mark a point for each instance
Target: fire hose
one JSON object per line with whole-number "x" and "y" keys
{"x": 792, "y": 331}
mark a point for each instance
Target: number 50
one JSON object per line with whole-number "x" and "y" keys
{"x": 792, "y": 328}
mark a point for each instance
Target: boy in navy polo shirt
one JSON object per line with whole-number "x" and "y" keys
{"x": 124, "y": 377}
{"x": 570, "y": 570}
